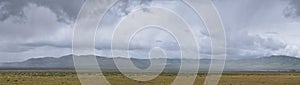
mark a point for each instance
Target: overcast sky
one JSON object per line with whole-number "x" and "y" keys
{"x": 254, "y": 28}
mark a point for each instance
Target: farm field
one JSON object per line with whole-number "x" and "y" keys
{"x": 68, "y": 77}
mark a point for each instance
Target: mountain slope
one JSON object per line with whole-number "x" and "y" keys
{"x": 271, "y": 63}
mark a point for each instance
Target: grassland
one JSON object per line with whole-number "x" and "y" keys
{"x": 69, "y": 77}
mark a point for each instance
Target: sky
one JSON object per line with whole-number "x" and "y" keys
{"x": 44, "y": 28}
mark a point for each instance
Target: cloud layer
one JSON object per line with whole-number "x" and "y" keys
{"x": 254, "y": 28}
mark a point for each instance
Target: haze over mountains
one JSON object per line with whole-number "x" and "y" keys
{"x": 271, "y": 63}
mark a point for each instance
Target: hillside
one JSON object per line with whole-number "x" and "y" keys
{"x": 271, "y": 63}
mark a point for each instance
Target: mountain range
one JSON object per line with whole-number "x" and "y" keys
{"x": 270, "y": 63}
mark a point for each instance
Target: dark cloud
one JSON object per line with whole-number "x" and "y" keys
{"x": 40, "y": 27}
{"x": 12, "y": 8}
{"x": 293, "y": 10}
{"x": 66, "y": 10}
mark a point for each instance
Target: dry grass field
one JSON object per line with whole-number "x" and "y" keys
{"x": 63, "y": 77}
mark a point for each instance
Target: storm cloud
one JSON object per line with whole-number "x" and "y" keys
{"x": 293, "y": 11}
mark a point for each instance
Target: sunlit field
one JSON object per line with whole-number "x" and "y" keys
{"x": 68, "y": 77}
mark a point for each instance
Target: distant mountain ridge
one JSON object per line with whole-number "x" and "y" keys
{"x": 271, "y": 63}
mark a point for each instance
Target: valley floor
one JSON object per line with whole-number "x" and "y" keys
{"x": 63, "y": 77}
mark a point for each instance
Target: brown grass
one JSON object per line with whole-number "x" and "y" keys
{"x": 70, "y": 78}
